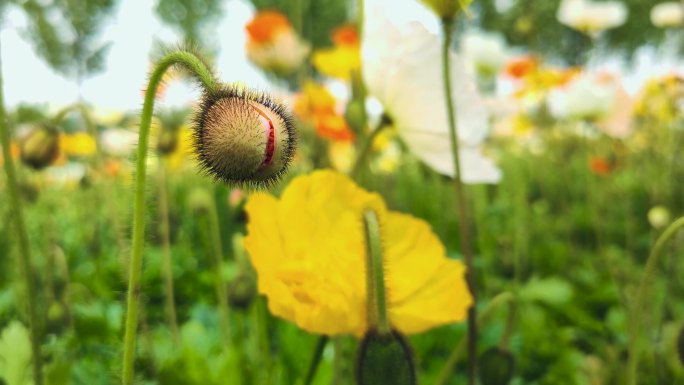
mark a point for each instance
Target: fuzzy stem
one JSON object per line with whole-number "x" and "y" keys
{"x": 217, "y": 253}
{"x": 466, "y": 249}
{"x": 316, "y": 359}
{"x": 375, "y": 275}
{"x": 638, "y": 307}
{"x": 207, "y": 80}
{"x": 23, "y": 243}
{"x": 483, "y": 317}
{"x": 167, "y": 266}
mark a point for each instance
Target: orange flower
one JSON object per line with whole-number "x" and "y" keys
{"x": 273, "y": 45}
{"x": 333, "y": 126}
{"x": 520, "y": 67}
{"x": 346, "y": 35}
{"x": 600, "y": 166}
{"x": 266, "y": 25}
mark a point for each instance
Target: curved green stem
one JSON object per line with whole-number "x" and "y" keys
{"x": 466, "y": 249}
{"x": 24, "y": 249}
{"x": 197, "y": 67}
{"x": 483, "y": 317}
{"x": 638, "y": 306}
{"x": 220, "y": 285}
{"x": 375, "y": 275}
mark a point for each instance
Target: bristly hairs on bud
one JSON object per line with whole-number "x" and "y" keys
{"x": 243, "y": 136}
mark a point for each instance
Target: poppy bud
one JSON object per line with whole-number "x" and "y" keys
{"x": 242, "y": 136}
{"x": 496, "y": 367}
{"x": 241, "y": 292}
{"x": 40, "y": 147}
{"x": 167, "y": 142}
{"x": 385, "y": 359}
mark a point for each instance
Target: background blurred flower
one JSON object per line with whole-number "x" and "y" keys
{"x": 402, "y": 68}
{"x": 309, "y": 253}
{"x": 592, "y": 17}
{"x": 668, "y": 15}
{"x": 662, "y": 100}
{"x": 344, "y": 58}
{"x": 485, "y": 52}
{"x": 273, "y": 45}
{"x": 319, "y": 107}
{"x": 583, "y": 98}
{"x": 118, "y": 141}
{"x": 77, "y": 144}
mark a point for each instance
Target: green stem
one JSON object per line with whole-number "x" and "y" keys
{"x": 483, "y": 317}
{"x": 316, "y": 359}
{"x": 204, "y": 75}
{"x": 220, "y": 285}
{"x": 368, "y": 145}
{"x": 24, "y": 249}
{"x": 375, "y": 275}
{"x": 466, "y": 249}
{"x": 638, "y": 307}
{"x": 167, "y": 266}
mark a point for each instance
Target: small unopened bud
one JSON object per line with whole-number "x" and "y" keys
{"x": 167, "y": 142}
{"x": 496, "y": 367}
{"x": 241, "y": 292}
{"x": 447, "y": 9}
{"x": 242, "y": 136}
{"x": 40, "y": 147}
{"x": 385, "y": 359}
{"x": 658, "y": 217}
{"x": 199, "y": 201}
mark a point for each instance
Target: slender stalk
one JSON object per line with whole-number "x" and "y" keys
{"x": 23, "y": 243}
{"x": 316, "y": 359}
{"x": 494, "y": 304}
{"x": 637, "y": 309}
{"x": 375, "y": 275}
{"x": 167, "y": 269}
{"x": 368, "y": 145}
{"x": 135, "y": 263}
{"x": 466, "y": 249}
{"x": 220, "y": 285}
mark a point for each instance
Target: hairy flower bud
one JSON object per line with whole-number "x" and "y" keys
{"x": 385, "y": 359}
{"x": 40, "y": 147}
{"x": 243, "y": 136}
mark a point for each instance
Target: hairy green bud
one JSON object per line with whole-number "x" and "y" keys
{"x": 385, "y": 359}
{"x": 243, "y": 136}
{"x": 40, "y": 147}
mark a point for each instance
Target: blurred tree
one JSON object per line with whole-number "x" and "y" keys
{"x": 313, "y": 19}
{"x": 66, "y": 34}
{"x": 533, "y": 24}
{"x": 193, "y": 18}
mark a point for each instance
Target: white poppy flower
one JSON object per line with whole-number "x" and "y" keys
{"x": 118, "y": 142}
{"x": 583, "y": 98}
{"x": 592, "y": 17}
{"x": 668, "y": 15}
{"x": 402, "y": 68}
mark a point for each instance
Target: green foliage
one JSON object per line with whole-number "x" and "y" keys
{"x": 65, "y": 33}
{"x": 193, "y": 18}
{"x": 533, "y": 25}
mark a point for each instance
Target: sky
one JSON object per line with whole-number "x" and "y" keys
{"x": 135, "y": 27}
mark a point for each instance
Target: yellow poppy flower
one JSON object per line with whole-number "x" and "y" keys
{"x": 342, "y": 59}
{"x": 308, "y": 250}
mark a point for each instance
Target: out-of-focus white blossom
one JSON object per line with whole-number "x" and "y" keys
{"x": 273, "y": 45}
{"x": 583, "y": 98}
{"x": 668, "y": 15}
{"x": 592, "y": 17}
{"x": 402, "y": 68}
{"x": 485, "y": 52}
{"x": 118, "y": 142}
